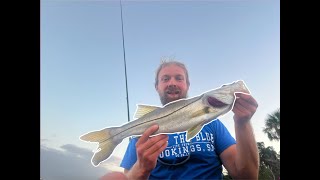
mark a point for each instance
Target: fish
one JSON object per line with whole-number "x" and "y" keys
{"x": 184, "y": 115}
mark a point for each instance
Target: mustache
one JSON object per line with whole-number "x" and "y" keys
{"x": 173, "y": 89}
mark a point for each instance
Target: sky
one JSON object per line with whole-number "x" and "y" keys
{"x": 83, "y": 76}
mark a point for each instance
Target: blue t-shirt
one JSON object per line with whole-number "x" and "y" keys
{"x": 197, "y": 159}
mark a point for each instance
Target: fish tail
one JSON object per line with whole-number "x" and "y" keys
{"x": 107, "y": 143}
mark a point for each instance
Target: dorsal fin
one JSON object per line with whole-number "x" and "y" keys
{"x": 144, "y": 109}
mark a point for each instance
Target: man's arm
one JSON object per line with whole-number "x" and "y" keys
{"x": 242, "y": 159}
{"x": 148, "y": 150}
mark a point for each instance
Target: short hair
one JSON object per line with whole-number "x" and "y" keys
{"x": 167, "y": 62}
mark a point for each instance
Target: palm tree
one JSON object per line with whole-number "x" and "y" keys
{"x": 272, "y": 124}
{"x": 269, "y": 162}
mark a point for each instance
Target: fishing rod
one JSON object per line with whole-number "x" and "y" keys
{"x": 125, "y": 67}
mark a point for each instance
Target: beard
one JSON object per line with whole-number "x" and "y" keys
{"x": 171, "y": 93}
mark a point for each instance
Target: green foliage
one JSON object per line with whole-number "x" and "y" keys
{"x": 265, "y": 173}
{"x": 272, "y": 124}
{"x": 227, "y": 177}
{"x": 269, "y": 162}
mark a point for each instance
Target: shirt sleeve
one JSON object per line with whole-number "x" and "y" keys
{"x": 223, "y": 137}
{"x": 130, "y": 157}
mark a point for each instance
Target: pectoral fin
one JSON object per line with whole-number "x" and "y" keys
{"x": 193, "y": 131}
{"x": 144, "y": 109}
{"x": 200, "y": 112}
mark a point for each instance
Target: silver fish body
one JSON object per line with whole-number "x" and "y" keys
{"x": 178, "y": 116}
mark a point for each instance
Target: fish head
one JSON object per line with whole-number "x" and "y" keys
{"x": 221, "y": 100}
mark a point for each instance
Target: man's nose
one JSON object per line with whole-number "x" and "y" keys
{"x": 172, "y": 82}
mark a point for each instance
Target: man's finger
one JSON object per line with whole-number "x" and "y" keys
{"x": 248, "y": 98}
{"x": 147, "y": 133}
{"x": 155, "y": 143}
{"x": 159, "y": 150}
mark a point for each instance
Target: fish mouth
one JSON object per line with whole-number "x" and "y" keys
{"x": 216, "y": 102}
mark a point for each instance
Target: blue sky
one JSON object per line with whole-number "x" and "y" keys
{"x": 82, "y": 67}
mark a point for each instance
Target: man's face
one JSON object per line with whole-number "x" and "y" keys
{"x": 172, "y": 84}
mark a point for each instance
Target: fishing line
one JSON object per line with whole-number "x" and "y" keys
{"x": 125, "y": 67}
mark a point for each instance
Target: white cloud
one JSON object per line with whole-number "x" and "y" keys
{"x": 73, "y": 162}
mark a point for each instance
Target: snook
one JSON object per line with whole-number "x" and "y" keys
{"x": 178, "y": 116}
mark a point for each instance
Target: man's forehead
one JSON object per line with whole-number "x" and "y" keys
{"x": 172, "y": 70}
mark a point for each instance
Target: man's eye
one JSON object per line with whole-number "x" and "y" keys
{"x": 165, "y": 79}
{"x": 179, "y": 78}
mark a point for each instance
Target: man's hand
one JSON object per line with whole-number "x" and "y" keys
{"x": 149, "y": 148}
{"x": 244, "y": 155}
{"x": 244, "y": 108}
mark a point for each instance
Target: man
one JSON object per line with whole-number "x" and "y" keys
{"x": 171, "y": 157}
